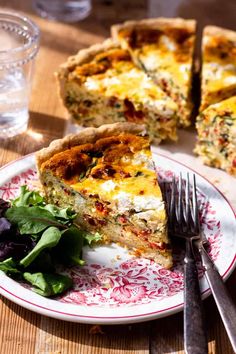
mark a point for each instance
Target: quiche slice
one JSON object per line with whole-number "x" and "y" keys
{"x": 101, "y": 85}
{"x": 216, "y": 127}
{"x": 218, "y": 65}
{"x": 107, "y": 176}
{"x": 164, "y": 48}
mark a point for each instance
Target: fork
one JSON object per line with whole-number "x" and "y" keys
{"x": 190, "y": 215}
{"x": 182, "y": 223}
{"x": 224, "y": 303}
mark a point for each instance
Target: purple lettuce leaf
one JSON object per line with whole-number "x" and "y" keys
{"x": 5, "y": 226}
{"x": 4, "y": 205}
{"x": 17, "y": 249}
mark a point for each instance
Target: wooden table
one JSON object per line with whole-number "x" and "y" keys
{"x": 22, "y": 331}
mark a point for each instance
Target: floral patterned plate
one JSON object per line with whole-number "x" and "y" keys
{"x": 114, "y": 287}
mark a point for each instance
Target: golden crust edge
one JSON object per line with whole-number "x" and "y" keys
{"x": 82, "y": 56}
{"x": 85, "y": 55}
{"x": 213, "y": 31}
{"x": 219, "y": 31}
{"x": 87, "y": 135}
{"x": 159, "y": 23}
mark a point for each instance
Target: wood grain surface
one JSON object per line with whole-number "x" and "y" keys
{"x": 22, "y": 331}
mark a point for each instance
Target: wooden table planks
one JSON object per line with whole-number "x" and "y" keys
{"x": 22, "y": 331}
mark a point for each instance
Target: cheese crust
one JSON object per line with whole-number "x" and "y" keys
{"x": 164, "y": 49}
{"x": 216, "y": 143}
{"x": 218, "y": 65}
{"x": 102, "y": 85}
{"x": 107, "y": 176}
{"x": 88, "y": 135}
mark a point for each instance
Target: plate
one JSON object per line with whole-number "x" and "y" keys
{"x": 114, "y": 287}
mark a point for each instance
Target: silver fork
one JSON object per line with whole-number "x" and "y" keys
{"x": 197, "y": 238}
{"x": 224, "y": 303}
{"x": 182, "y": 223}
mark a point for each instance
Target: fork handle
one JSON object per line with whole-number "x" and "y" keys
{"x": 222, "y": 298}
{"x": 195, "y": 339}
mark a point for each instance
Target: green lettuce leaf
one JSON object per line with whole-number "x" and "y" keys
{"x": 49, "y": 239}
{"x": 9, "y": 266}
{"x": 91, "y": 238}
{"x": 48, "y": 284}
{"x": 69, "y": 249}
{"x": 66, "y": 213}
{"x": 31, "y": 220}
{"x": 28, "y": 198}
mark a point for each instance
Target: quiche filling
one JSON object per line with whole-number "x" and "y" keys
{"x": 106, "y": 87}
{"x": 164, "y": 49}
{"x": 112, "y": 185}
{"x": 219, "y": 65}
{"x": 216, "y": 127}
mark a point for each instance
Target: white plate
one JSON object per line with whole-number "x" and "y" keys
{"x": 115, "y": 287}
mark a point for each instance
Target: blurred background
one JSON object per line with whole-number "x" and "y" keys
{"x": 107, "y": 12}
{"x": 217, "y": 12}
{"x": 60, "y": 40}
{"x": 206, "y": 12}
{"x": 48, "y": 120}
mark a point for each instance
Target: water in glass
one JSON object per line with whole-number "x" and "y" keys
{"x": 18, "y": 46}
{"x": 13, "y": 102}
{"x": 63, "y": 10}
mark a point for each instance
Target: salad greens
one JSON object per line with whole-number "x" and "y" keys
{"x": 48, "y": 284}
{"x": 31, "y": 220}
{"x": 49, "y": 239}
{"x": 9, "y": 266}
{"x": 35, "y": 237}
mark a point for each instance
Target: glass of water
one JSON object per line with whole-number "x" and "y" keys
{"x": 63, "y": 10}
{"x": 19, "y": 43}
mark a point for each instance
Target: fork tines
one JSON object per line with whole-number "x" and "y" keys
{"x": 182, "y": 206}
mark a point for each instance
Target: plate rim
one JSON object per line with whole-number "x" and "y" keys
{"x": 89, "y": 319}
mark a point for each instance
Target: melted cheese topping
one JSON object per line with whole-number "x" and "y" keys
{"x": 162, "y": 54}
{"x": 118, "y": 170}
{"x": 226, "y": 107}
{"x": 139, "y": 191}
{"x": 124, "y": 80}
{"x": 218, "y": 69}
{"x": 216, "y": 128}
{"x": 110, "y": 88}
{"x": 131, "y": 185}
{"x": 165, "y": 64}
{"x": 167, "y": 55}
{"x": 217, "y": 76}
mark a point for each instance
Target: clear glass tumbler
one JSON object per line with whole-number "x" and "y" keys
{"x": 63, "y": 10}
{"x": 19, "y": 43}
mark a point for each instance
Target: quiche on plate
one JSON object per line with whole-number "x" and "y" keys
{"x": 164, "y": 48}
{"x": 107, "y": 176}
{"x": 218, "y": 65}
{"x": 216, "y": 127}
{"x": 101, "y": 85}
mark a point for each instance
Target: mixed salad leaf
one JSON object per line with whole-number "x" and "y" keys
{"x": 35, "y": 237}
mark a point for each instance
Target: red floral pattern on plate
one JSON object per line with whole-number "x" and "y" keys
{"x": 133, "y": 281}
{"x": 11, "y": 189}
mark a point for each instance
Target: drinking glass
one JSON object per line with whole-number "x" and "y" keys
{"x": 63, "y": 10}
{"x": 19, "y": 43}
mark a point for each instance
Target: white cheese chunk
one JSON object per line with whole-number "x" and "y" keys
{"x": 126, "y": 201}
{"x": 91, "y": 84}
{"x": 146, "y": 203}
{"x": 170, "y": 45}
{"x": 150, "y": 61}
{"x": 185, "y": 69}
{"x": 109, "y": 81}
{"x": 230, "y": 80}
{"x": 123, "y": 201}
{"x": 108, "y": 186}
